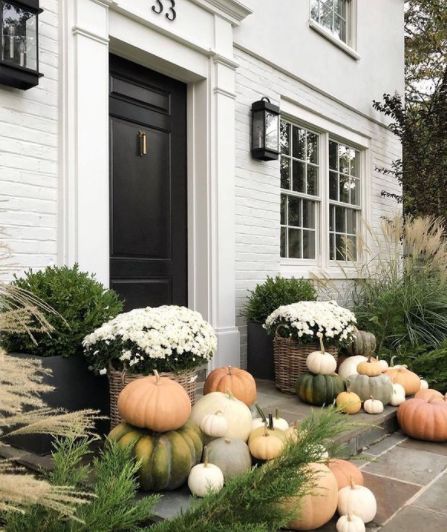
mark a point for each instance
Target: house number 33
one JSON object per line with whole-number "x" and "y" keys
{"x": 159, "y": 7}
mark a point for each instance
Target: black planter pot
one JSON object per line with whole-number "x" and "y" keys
{"x": 76, "y": 388}
{"x": 260, "y": 352}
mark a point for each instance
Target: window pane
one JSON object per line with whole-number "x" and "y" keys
{"x": 312, "y": 148}
{"x": 355, "y": 164}
{"x": 326, "y": 13}
{"x": 332, "y": 218}
{"x": 333, "y": 186}
{"x": 344, "y": 188}
{"x": 295, "y": 243}
{"x": 340, "y": 220}
{"x": 308, "y": 244}
{"x": 351, "y": 244}
{"x": 294, "y": 211}
{"x": 285, "y": 173}
{"x": 285, "y": 137}
{"x": 351, "y": 227}
{"x": 340, "y": 244}
{"x": 315, "y": 8}
{"x": 283, "y": 209}
{"x": 340, "y": 7}
{"x": 299, "y": 143}
{"x": 343, "y": 159}
{"x": 355, "y": 191}
{"x": 309, "y": 214}
{"x": 340, "y": 28}
{"x": 333, "y": 155}
{"x": 283, "y": 241}
{"x": 332, "y": 246}
{"x": 312, "y": 180}
{"x": 299, "y": 178}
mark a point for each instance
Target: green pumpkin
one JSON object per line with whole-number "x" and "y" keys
{"x": 379, "y": 387}
{"x": 166, "y": 458}
{"x": 364, "y": 343}
{"x": 319, "y": 390}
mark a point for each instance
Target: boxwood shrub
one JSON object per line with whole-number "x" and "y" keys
{"x": 81, "y": 303}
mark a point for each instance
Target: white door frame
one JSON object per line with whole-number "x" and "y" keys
{"x": 91, "y": 29}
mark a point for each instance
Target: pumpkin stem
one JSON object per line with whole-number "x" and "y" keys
{"x": 392, "y": 360}
{"x": 227, "y": 440}
{"x": 270, "y": 425}
{"x": 266, "y": 432}
{"x": 351, "y": 482}
{"x": 322, "y": 344}
{"x": 218, "y": 413}
{"x": 261, "y": 413}
{"x": 205, "y": 456}
{"x": 276, "y": 413}
{"x": 157, "y": 376}
{"x": 229, "y": 370}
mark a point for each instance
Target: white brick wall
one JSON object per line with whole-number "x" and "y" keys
{"x": 29, "y": 157}
{"x": 258, "y": 183}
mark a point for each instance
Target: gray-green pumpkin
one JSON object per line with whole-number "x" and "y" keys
{"x": 232, "y": 456}
{"x": 166, "y": 458}
{"x": 319, "y": 390}
{"x": 364, "y": 343}
{"x": 379, "y": 387}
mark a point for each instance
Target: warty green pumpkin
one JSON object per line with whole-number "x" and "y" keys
{"x": 166, "y": 458}
{"x": 319, "y": 390}
{"x": 379, "y": 387}
{"x": 364, "y": 343}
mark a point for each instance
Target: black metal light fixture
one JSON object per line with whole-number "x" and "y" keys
{"x": 265, "y": 130}
{"x": 19, "y": 43}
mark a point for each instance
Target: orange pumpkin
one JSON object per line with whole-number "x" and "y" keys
{"x": 319, "y": 506}
{"x": 235, "y": 381}
{"x": 423, "y": 420}
{"x": 429, "y": 395}
{"x": 372, "y": 367}
{"x": 409, "y": 380}
{"x": 344, "y": 472}
{"x": 156, "y": 403}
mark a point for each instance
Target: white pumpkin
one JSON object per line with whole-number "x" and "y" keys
{"x": 350, "y": 523}
{"x": 278, "y": 422}
{"x": 398, "y": 396}
{"x": 320, "y": 362}
{"x": 205, "y": 478}
{"x": 236, "y": 413}
{"x": 357, "y": 500}
{"x": 424, "y": 384}
{"x": 373, "y": 406}
{"x": 214, "y": 425}
{"x": 349, "y": 366}
{"x": 384, "y": 364}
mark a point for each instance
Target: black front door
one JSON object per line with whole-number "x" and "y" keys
{"x": 148, "y": 229}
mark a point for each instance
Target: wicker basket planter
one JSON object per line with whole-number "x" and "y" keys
{"x": 290, "y": 361}
{"x": 118, "y": 380}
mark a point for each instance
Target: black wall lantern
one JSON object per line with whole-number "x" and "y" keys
{"x": 265, "y": 130}
{"x": 19, "y": 43}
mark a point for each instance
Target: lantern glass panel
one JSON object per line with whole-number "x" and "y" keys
{"x": 258, "y": 130}
{"x": 18, "y": 35}
{"x": 271, "y": 131}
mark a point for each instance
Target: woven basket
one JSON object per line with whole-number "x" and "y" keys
{"x": 290, "y": 361}
{"x": 118, "y": 380}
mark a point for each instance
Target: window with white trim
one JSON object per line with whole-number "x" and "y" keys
{"x": 313, "y": 184}
{"x": 300, "y": 177}
{"x": 334, "y": 16}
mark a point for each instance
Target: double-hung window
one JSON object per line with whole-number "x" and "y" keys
{"x": 334, "y": 16}
{"x": 321, "y": 196}
{"x": 300, "y": 186}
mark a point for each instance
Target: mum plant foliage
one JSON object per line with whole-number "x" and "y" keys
{"x": 307, "y": 321}
{"x": 275, "y": 292}
{"x": 167, "y": 338}
{"x": 79, "y": 304}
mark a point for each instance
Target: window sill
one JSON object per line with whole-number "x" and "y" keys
{"x": 311, "y": 270}
{"x": 328, "y": 35}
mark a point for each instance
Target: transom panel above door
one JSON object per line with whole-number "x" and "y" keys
{"x": 148, "y": 186}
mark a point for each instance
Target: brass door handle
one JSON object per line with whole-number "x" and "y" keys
{"x": 142, "y": 143}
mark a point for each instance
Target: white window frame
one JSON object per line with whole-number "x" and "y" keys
{"x": 350, "y": 46}
{"x": 329, "y": 130}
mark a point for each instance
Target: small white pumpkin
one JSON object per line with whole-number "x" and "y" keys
{"x": 350, "y": 523}
{"x": 373, "y": 406}
{"x": 424, "y": 384}
{"x": 278, "y": 422}
{"x": 320, "y": 362}
{"x": 349, "y": 366}
{"x": 357, "y": 500}
{"x": 398, "y": 396}
{"x": 383, "y": 363}
{"x": 205, "y": 478}
{"x": 214, "y": 425}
